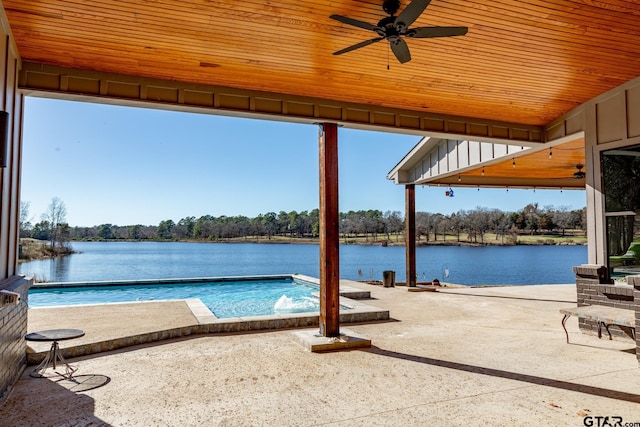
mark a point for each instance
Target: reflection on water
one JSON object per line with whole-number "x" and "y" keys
{"x": 61, "y": 266}
{"x": 47, "y": 270}
{"x": 155, "y": 260}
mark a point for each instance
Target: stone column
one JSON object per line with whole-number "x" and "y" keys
{"x": 13, "y": 328}
{"x": 635, "y": 282}
{"x": 589, "y": 278}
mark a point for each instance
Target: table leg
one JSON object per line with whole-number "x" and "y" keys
{"x": 51, "y": 358}
{"x": 564, "y": 326}
{"x": 606, "y": 326}
{"x": 38, "y": 372}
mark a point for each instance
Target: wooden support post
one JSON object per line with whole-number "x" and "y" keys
{"x": 410, "y": 233}
{"x": 329, "y": 232}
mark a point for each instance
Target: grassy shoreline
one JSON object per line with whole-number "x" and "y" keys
{"x": 490, "y": 239}
{"x": 31, "y": 249}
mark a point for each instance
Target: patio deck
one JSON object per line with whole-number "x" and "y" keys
{"x": 470, "y": 356}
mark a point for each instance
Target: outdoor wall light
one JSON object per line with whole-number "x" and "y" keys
{"x": 4, "y": 138}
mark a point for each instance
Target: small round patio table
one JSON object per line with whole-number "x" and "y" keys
{"x": 54, "y": 355}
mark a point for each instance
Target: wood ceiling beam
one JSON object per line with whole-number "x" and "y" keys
{"x": 74, "y": 84}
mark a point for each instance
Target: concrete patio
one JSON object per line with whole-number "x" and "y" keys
{"x": 464, "y": 356}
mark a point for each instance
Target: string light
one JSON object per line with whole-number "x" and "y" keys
{"x": 550, "y": 153}
{"x": 459, "y": 178}
{"x": 483, "y": 171}
{"x": 478, "y": 188}
{"x": 507, "y": 189}
{"x": 514, "y": 162}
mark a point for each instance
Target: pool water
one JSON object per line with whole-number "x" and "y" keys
{"x": 236, "y": 298}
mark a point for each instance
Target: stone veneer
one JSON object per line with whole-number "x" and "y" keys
{"x": 13, "y": 328}
{"x": 594, "y": 288}
{"x": 635, "y": 282}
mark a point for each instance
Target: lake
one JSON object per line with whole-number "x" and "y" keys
{"x": 494, "y": 265}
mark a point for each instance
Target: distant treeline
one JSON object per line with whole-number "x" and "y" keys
{"x": 367, "y": 224}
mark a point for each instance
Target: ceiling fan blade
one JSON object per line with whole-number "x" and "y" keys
{"x": 358, "y": 45}
{"x": 401, "y": 50}
{"x": 429, "y": 32}
{"x": 354, "y": 22}
{"x": 412, "y": 12}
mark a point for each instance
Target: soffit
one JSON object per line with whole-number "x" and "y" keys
{"x": 536, "y": 168}
{"x": 524, "y": 62}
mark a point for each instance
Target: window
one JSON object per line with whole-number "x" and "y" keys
{"x": 621, "y": 179}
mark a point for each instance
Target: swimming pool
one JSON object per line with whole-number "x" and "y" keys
{"x": 225, "y": 297}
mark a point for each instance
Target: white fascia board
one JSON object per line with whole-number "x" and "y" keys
{"x": 423, "y": 147}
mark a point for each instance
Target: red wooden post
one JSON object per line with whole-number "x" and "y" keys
{"x": 329, "y": 232}
{"x": 410, "y": 233}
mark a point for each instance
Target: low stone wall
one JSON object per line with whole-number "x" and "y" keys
{"x": 594, "y": 288}
{"x": 635, "y": 282}
{"x": 13, "y": 328}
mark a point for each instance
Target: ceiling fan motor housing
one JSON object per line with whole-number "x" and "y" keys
{"x": 391, "y": 6}
{"x": 388, "y": 28}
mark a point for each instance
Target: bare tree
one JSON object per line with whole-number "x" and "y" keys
{"x": 393, "y": 223}
{"x": 562, "y": 218}
{"x": 25, "y": 220}
{"x": 56, "y": 217}
{"x": 479, "y": 222}
{"x": 456, "y": 222}
{"x": 423, "y": 224}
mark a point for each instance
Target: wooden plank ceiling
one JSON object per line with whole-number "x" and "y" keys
{"x": 525, "y": 61}
{"x": 547, "y": 168}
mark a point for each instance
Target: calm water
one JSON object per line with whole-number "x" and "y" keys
{"x": 518, "y": 265}
{"x": 224, "y": 299}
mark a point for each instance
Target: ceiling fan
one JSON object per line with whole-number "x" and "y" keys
{"x": 578, "y": 174}
{"x": 393, "y": 28}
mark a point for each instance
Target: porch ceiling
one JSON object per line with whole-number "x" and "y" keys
{"x": 534, "y": 169}
{"x": 524, "y": 62}
{"x": 462, "y": 164}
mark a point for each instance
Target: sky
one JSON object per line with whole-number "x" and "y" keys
{"x": 124, "y": 166}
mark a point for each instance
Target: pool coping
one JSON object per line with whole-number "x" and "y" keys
{"x": 173, "y": 280}
{"x": 207, "y": 323}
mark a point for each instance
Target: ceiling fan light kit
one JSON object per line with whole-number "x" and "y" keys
{"x": 394, "y": 28}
